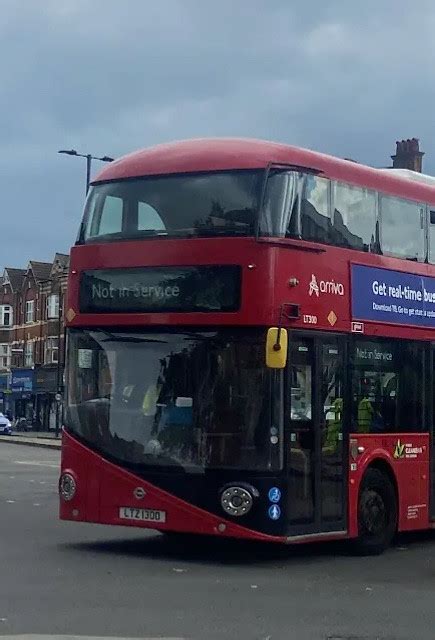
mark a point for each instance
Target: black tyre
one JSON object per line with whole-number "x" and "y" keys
{"x": 377, "y": 513}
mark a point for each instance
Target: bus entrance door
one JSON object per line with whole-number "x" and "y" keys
{"x": 314, "y": 434}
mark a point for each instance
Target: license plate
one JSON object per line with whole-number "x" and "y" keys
{"x": 142, "y": 515}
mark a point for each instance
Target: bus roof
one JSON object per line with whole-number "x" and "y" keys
{"x": 220, "y": 154}
{"x": 413, "y": 175}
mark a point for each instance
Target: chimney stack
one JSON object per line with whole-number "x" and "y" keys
{"x": 408, "y": 155}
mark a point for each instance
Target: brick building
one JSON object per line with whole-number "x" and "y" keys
{"x": 408, "y": 155}
{"x": 31, "y": 338}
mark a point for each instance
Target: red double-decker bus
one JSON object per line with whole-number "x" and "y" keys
{"x": 250, "y": 346}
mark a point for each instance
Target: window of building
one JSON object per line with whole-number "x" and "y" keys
{"x": 315, "y": 219}
{"x": 5, "y": 315}
{"x": 52, "y": 306}
{"x": 30, "y": 311}
{"x": 354, "y": 217}
{"x": 387, "y": 390}
{"x": 28, "y": 354}
{"x": 5, "y": 356}
{"x": 51, "y": 351}
{"x": 402, "y": 224}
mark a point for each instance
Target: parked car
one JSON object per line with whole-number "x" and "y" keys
{"x": 5, "y": 425}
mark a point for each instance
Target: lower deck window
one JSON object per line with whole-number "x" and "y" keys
{"x": 388, "y": 390}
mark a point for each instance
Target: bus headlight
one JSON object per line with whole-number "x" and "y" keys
{"x": 67, "y": 486}
{"x": 237, "y": 501}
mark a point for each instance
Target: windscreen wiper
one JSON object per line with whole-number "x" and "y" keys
{"x": 143, "y": 233}
{"x": 129, "y": 338}
{"x": 193, "y": 232}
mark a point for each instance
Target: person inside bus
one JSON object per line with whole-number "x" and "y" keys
{"x": 390, "y": 402}
{"x": 365, "y": 409}
{"x": 334, "y": 421}
{"x": 170, "y": 408}
{"x": 369, "y": 416}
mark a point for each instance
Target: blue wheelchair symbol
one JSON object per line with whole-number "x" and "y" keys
{"x": 274, "y": 494}
{"x": 274, "y": 512}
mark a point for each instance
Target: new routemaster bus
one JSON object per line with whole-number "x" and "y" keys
{"x": 250, "y": 346}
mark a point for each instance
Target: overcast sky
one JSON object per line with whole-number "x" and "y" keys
{"x": 108, "y": 77}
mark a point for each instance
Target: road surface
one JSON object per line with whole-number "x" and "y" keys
{"x": 68, "y": 578}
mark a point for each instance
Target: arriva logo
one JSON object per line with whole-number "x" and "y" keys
{"x": 314, "y": 287}
{"x": 325, "y": 286}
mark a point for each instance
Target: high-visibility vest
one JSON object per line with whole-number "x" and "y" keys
{"x": 334, "y": 425}
{"x": 150, "y": 400}
{"x": 365, "y": 415}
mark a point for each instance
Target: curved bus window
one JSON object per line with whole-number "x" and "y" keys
{"x": 296, "y": 205}
{"x": 108, "y": 216}
{"x": 148, "y": 218}
{"x": 402, "y": 224}
{"x": 354, "y": 217}
{"x": 183, "y": 400}
{"x": 280, "y": 205}
{"x": 207, "y": 204}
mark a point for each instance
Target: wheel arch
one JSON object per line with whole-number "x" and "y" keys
{"x": 383, "y": 465}
{"x": 374, "y": 460}
{"x": 378, "y": 525}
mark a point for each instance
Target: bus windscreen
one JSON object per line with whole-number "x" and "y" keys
{"x": 205, "y": 204}
{"x": 198, "y": 399}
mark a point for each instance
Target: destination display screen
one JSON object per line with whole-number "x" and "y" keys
{"x": 161, "y": 289}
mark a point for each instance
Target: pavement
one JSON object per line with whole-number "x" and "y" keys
{"x": 34, "y": 439}
{"x": 62, "y": 579}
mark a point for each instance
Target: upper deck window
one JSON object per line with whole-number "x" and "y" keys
{"x": 296, "y": 205}
{"x": 207, "y": 204}
{"x": 402, "y": 228}
{"x": 354, "y": 217}
{"x": 315, "y": 220}
{"x": 309, "y": 207}
{"x": 109, "y": 219}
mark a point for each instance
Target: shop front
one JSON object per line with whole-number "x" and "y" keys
{"x": 5, "y": 394}
{"x": 45, "y": 389}
{"x": 21, "y": 394}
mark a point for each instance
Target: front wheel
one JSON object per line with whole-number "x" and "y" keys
{"x": 377, "y": 513}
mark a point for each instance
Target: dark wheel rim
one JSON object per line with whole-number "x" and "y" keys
{"x": 374, "y": 514}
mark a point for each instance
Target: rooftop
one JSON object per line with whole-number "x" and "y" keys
{"x": 41, "y": 270}
{"x": 15, "y": 277}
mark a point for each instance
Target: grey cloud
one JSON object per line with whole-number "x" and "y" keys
{"x": 110, "y": 77}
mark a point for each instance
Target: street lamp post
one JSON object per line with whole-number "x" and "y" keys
{"x": 59, "y": 369}
{"x": 89, "y": 157}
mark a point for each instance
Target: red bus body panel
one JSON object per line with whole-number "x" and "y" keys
{"x": 411, "y": 473}
{"x": 103, "y": 487}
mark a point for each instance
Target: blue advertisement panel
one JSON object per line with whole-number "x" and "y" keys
{"x": 22, "y": 380}
{"x": 390, "y": 296}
